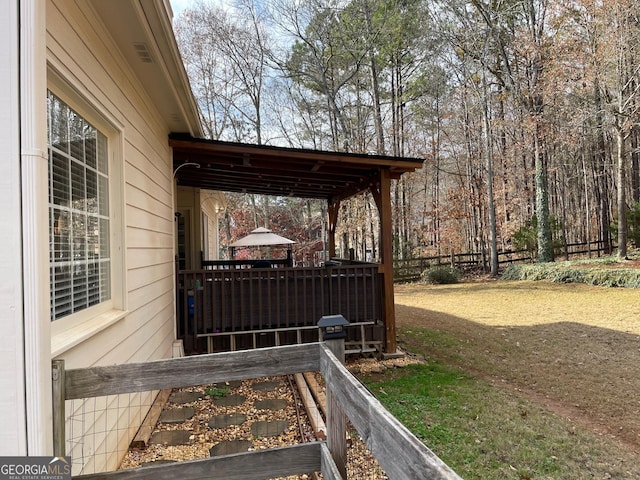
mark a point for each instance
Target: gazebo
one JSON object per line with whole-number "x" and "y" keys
{"x": 262, "y": 237}
{"x": 301, "y": 173}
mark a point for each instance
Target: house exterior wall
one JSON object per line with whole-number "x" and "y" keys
{"x": 83, "y": 57}
{"x": 85, "y": 68}
{"x": 70, "y": 47}
{"x": 197, "y": 226}
{"x": 189, "y": 240}
{"x": 213, "y": 204}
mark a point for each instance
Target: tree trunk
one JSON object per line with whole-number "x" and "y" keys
{"x": 488, "y": 152}
{"x": 602, "y": 187}
{"x": 635, "y": 164}
{"x": 622, "y": 200}
{"x": 545, "y": 244}
{"x": 375, "y": 87}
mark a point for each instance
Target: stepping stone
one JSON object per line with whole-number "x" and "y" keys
{"x": 156, "y": 462}
{"x": 269, "y": 429}
{"x": 271, "y": 404}
{"x": 222, "y": 421}
{"x": 185, "y": 397}
{"x": 176, "y": 415}
{"x": 266, "y": 386}
{"x": 229, "y": 447}
{"x": 170, "y": 437}
{"x": 229, "y": 400}
{"x": 230, "y": 384}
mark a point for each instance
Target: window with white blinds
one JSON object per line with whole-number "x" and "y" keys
{"x": 80, "y": 263}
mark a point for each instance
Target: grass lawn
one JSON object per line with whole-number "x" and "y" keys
{"x": 523, "y": 380}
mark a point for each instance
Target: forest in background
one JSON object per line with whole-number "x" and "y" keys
{"x": 526, "y": 113}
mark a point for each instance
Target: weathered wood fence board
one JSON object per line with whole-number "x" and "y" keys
{"x": 189, "y": 371}
{"x": 409, "y": 269}
{"x": 260, "y": 464}
{"x": 399, "y": 452}
{"x": 329, "y": 468}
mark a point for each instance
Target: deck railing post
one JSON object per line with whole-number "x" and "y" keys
{"x": 58, "y": 395}
{"x": 336, "y": 419}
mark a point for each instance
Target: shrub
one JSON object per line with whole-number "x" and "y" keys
{"x": 441, "y": 275}
{"x": 633, "y": 225}
{"x": 615, "y": 277}
{"x": 568, "y": 272}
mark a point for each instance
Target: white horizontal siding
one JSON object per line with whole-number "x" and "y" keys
{"x": 139, "y": 298}
{"x": 144, "y": 257}
{"x": 92, "y": 65}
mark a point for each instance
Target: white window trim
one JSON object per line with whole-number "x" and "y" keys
{"x": 70, "y": 331}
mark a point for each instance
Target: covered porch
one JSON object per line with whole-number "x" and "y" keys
{"x": 222, "y": 306}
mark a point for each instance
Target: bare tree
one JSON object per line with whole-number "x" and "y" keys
{"x": 226, "y": 59}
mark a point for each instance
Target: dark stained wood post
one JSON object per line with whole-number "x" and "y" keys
{"x": 382, "y": 196}
{"x": 332, "y": 210}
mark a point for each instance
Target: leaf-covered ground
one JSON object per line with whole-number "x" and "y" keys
{"x": 573, "y": 350}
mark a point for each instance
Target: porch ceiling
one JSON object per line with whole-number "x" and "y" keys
{"x": 267, "y": 170}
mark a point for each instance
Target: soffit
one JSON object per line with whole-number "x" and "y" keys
{"x": 143, "y": 33}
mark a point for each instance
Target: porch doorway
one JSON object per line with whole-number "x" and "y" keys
{"x": 183, "y": 239}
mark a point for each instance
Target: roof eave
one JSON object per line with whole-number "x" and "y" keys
{"x": 143, "y": 33}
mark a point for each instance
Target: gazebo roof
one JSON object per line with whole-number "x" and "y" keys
{"x": 278, "y": 171}
{"x": 261, "y": 237}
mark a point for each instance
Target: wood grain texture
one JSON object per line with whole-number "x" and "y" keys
{"x": 336, "y": 420}
{"x": 261, "y": 464}
{"x": 399, "y": 452}
{"x": 317, "y": 423}
{"x": 58, "y": 397}
{"x": 189, "y": 371}
{"x": 329, "y": 468}
{"x": 317, "y": 392}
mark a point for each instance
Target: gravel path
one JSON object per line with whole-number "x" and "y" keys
{"x": 204, "y": 433}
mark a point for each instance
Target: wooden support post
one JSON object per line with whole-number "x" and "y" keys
{"x": 382, "y": 196}
{"x": 333, "y": 209}
{"x": 336, "y": 419}
{"x": 58, "y": 397}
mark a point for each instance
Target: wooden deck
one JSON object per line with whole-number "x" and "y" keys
{"x": 230, "y": 309}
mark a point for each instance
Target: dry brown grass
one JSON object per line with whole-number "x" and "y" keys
{"x": 573, "y": 348}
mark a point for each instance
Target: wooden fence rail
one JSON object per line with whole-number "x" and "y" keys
{"x": 410, "y": 269}
{"x": 398, "y": 451}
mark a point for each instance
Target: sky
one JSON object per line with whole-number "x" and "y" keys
{"x": 179, "y": 5}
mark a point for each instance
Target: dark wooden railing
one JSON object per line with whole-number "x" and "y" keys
{"x": 235, "y": 264}
{"x": 220, "y": 302}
